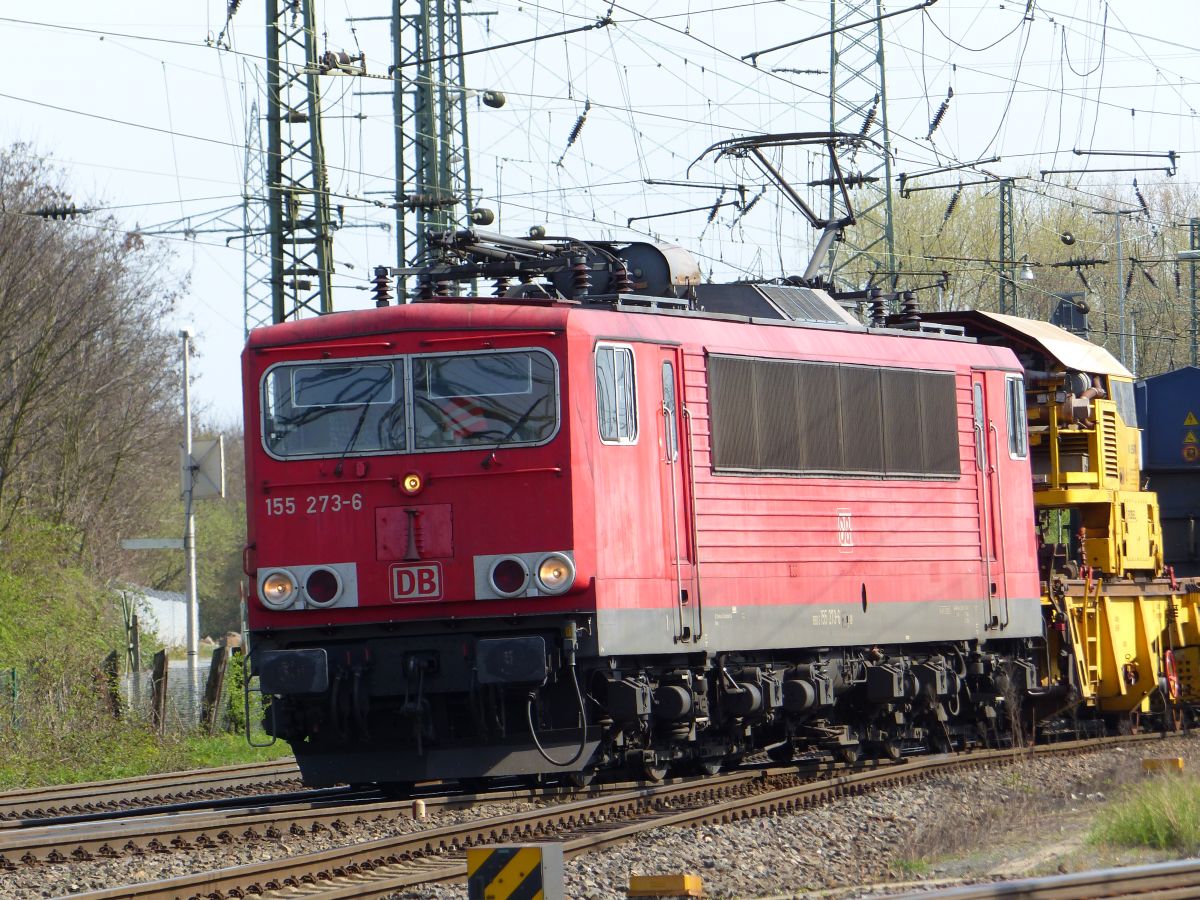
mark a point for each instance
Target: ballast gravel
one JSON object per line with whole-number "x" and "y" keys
{"x": 1019, "y": 812}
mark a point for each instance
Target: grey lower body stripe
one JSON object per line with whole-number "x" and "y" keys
{"x": 743, "y": 627}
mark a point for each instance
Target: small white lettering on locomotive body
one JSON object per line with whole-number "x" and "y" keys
{"x": 314, "y": 504}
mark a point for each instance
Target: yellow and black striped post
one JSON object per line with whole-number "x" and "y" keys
{"x": 515, "y": 872}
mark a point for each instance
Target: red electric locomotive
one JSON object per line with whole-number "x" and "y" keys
{"x": 617, "y": 519}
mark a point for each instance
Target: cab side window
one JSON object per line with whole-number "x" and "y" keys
{"x": 616, "y": 394}
{"x": 1018, "y": 424}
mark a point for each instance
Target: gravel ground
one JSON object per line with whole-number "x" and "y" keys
{"x": 64, "y": 879}
{"x": 1031, "y": 816}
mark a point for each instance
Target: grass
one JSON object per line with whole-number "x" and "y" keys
{"x": 913, "y": 868}
{"x": 121, "y": 751}
{"x": 1162, "y": 813}
{"x": 107, "y": 751}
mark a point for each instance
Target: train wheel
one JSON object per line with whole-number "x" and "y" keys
{"x": 887, "y": 750}
{"x": 709, "y": 767}
{"x": 782, "y": 753}
{"x": 846, "y": 753}
{"x": 653, "y": 771}
{"x": 581, "y": 779}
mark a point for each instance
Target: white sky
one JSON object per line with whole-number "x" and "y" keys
{"x": 149, "y": 119}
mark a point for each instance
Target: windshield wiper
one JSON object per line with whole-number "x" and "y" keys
{"x": 491, "y": 457}
{"x": 362, "y": 417}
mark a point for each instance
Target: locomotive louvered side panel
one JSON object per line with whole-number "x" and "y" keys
{"x": 787, "y": 524}
{"x": 797, "y": 417}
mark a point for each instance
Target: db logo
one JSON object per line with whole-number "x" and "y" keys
{"x": 845, "y": 531}
{"x": 420, "y": 582}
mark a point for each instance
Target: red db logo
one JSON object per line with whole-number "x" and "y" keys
{"x": 421, "y": 582}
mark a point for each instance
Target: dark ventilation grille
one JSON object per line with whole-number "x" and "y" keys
{"x": 817, "y": 418}
{"x": 777, "y": 413}
{"x": 820, "y": 432}
{"x": 939, "y": 423}
{"x": 805, "y": 305}
{"x": 902, "y": 426}
{"x": 862, "y": 423}
{"x": 732, "y": 391}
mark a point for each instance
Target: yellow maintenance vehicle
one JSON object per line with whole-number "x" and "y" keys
{"x": 1122, "y": 635}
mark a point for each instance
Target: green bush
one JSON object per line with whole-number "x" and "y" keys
{"x": 53, "y": 619}
{"x": 1162, "y": 813}
{"x": 56, "y": 625}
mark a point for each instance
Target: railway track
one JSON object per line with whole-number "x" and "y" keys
{"x": 159, "y": 829}
{"x": 376, "y": 868}
{"x": 1161, "y": 881}
{"x": 167, "y": 787}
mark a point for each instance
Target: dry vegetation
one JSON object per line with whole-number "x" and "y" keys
{"x": 90, "y": 424}
{"x": 966, "y": 244}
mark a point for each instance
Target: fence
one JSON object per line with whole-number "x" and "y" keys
{"x": 167, "y": 696}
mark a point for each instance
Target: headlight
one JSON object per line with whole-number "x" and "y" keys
{"x": 278, "y": 589}
{"x": 323, "y": 587}
{"x": 555, "y": 573}
{"x": 509, "y": 576}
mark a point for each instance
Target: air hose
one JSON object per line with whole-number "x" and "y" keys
{"x": 562, "y": 764}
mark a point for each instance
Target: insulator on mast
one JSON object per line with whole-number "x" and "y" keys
{"x": 870, "y": 119}
{"x": 383, "y": 285}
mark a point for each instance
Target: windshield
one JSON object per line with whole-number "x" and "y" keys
{"x": 400, "y": 404}
{"x": 483, "y": 398}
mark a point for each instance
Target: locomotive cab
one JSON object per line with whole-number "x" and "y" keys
{"x": 412, "y": 540}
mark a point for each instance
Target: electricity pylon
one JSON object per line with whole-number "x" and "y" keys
{"x": 257, "y": 291}
{"x": 297, "y": 183}
{"x": 858, "y": 103}
{"x": 429, "y": 107}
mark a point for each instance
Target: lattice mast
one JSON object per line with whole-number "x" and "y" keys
{"x": 429, "y": 104}
{"x": 300, "y": 223}
{"x": 1008, "y": 251}
{"x": 858, "y": 103}
{"x": 256, "y": 229}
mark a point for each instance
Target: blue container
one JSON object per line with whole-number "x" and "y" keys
{"x": 1168, "y": 408}
{"x": 1169, "y": 413}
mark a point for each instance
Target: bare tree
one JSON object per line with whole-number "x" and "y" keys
{"x": 88, "y": 376}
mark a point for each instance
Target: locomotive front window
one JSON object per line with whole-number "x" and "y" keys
{"x": 483, "y": 398}
{"x": 410, "y": 404}
{"x": 328, "y": 409}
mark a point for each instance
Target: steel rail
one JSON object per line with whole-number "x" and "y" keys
{"x": 157, "y": 829}
{"x": 375, "y": 868}
{"x": 386, "y": 854}
{"x": 1157, "y": 881}
{"x": 115, "y": 833}
{"x": 119, "y": 793}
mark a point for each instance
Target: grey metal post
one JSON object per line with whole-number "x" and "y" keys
{"x": 1120, "y": 293}
{"x": 1117, "y": 214}
{"x": 189, "y": 534}
{"x": 1194, "y": 244}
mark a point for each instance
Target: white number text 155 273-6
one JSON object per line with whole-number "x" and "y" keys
{"x": 312, "y": 505}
